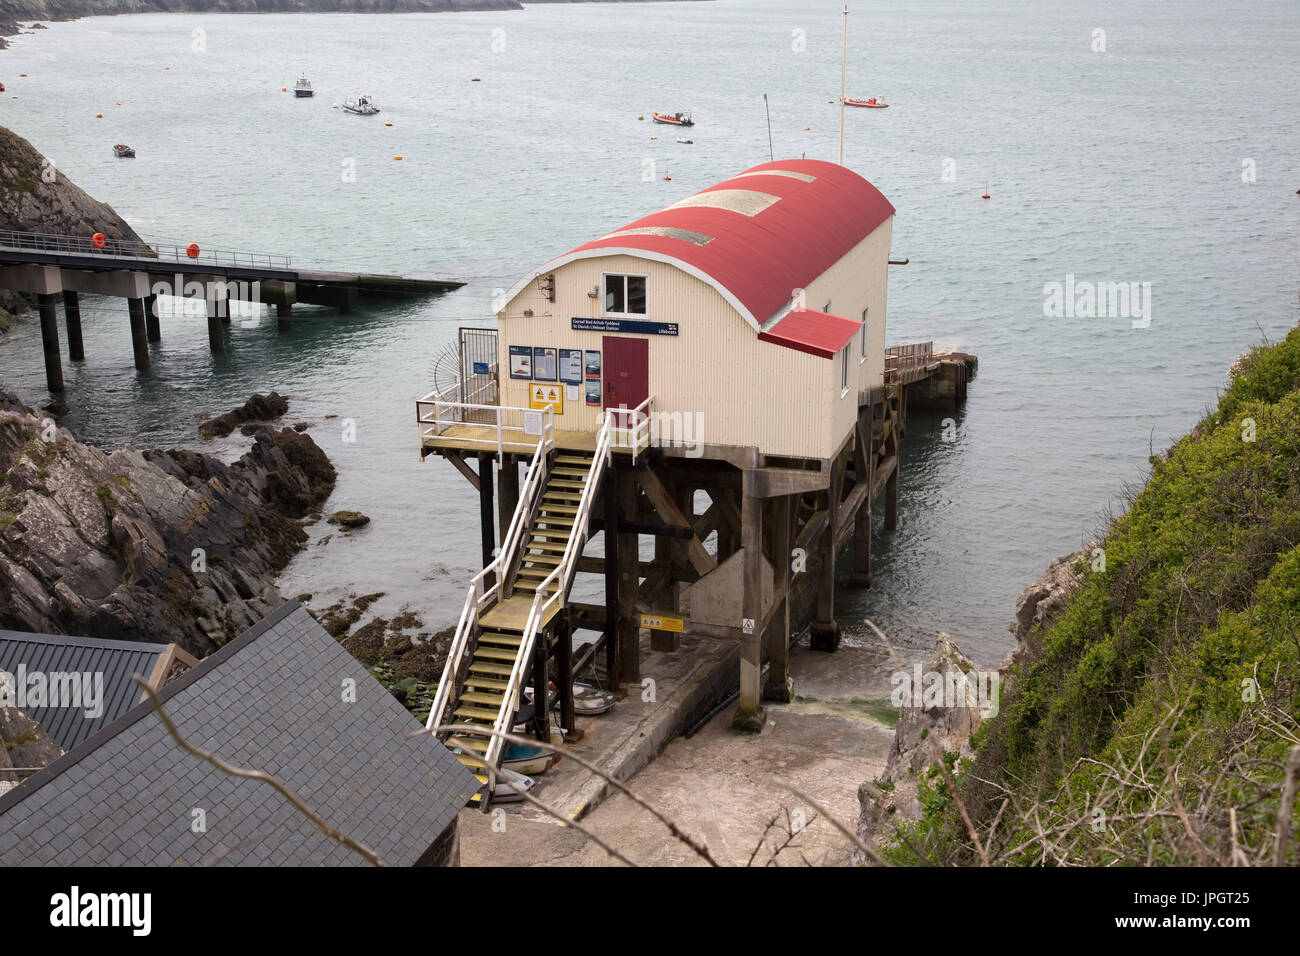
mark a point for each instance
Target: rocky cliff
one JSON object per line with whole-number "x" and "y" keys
{"x": 36, "y": 198}
{"x": 16, "y": 10}
{"x": 154, "y": 546}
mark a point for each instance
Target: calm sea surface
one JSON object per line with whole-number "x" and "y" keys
{"x": 1127, "y": 165}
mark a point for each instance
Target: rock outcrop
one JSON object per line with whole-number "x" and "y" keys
{"x": 153, "y": 546}
{"x": 1043, "y": 601}
{"x": 941, "y": 703}
{"x": 259, "y": 408}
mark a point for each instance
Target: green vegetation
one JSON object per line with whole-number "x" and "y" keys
{"x": 1154, "y": 720}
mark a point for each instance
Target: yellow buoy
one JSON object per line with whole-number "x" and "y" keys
{"x": 654, "y": 137}
{"x": 388, "y": 124}
{"x": 640, "y": 116}
{"x": 397, "y": 157}
{"x": 99, "y": 116}
{"x": 806, "y": 127}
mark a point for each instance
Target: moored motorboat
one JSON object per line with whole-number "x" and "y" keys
{"x": 871, "y": 104}
{"x": 122, "y": 150}
{"x": 303, "y": 87}
{"x": 675, "y": 119}
{"x": 362, "y": 105}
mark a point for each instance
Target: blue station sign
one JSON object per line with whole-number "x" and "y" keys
{"x": 623, "y": 325}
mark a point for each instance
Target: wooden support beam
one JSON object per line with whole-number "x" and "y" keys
{"x": 629, "y": 586}
{"x": 825, "y": 629}
{"x": 613, "y": 477}
{"x": 507, "y": 493}
{"x": 564, "y": 673}
{"x": 778, "y": 482}
{"x": 458, "y": 459}
{"x": 749, "y": 714}
{"x": 541, "y": 690}
{"x": 668, "y": 510}
{"x": 487, "y": 524}
{"x": 779, "y": 686}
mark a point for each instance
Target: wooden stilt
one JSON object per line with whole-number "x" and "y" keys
{"x": 564, "y": 675}
{"x": 825, "y": 629}
{"x": 629, "y": 585}
{"x": 487, "y": 521}
{"x": 749, "y": 714}
{"x": 611, "y": 493}
{"x": 541, "y": 694}
{"x": 779, "y": 686}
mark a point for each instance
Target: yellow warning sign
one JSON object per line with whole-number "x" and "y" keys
{"x": 541, "y": 394}
{"x": 660, "y": 623}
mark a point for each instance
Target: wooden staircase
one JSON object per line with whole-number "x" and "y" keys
{"x": 480, "y": 699}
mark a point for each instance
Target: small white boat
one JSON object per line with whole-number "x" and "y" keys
{"x": 303, "y": 87}
{"x": 511, "y": 786}
{"x": 363, "y": 105}
{"x": 682, "y": 139}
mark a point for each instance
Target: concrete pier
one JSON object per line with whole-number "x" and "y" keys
{"x": 50, "y": 341}
{"x": 154, "y": 331}
{"x": 139, "y": 334}
{"x": 72, "y": 317}
{"x": 215, "y": 296}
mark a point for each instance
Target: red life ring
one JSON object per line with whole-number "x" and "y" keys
{"x": 98, "y": 239}
{"x": 192, "y": 250}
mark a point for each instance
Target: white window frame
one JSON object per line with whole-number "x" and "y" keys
{"x": 844, "y": 371}
{"x": 865, "y": 313}
{"x": 625, "y": 276}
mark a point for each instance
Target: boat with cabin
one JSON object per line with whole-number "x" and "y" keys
{"x": 363, "y": 105}
{"x": 303, "y": 87}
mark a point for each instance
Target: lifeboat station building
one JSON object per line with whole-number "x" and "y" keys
{"x": 707, "y": 390}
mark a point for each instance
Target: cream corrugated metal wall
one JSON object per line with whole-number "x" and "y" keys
{"x": 745, "y": 392}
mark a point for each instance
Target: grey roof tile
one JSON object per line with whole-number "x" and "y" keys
{"x": 269, "y": 701}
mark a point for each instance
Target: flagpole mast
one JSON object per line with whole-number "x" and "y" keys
{"x": 844, "y": 56}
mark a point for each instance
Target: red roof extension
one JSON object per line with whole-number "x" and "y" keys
{"x": 817, "y": 333}
{"x": 774, "y": 228}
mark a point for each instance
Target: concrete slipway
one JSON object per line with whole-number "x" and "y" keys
{"x": 719, "y": 786}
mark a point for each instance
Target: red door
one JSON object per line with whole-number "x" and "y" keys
{"x": 627, "y": 371}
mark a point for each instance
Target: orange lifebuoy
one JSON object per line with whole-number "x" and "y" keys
{"x": 192, "y": 250}
{"x": 98, "y": 239}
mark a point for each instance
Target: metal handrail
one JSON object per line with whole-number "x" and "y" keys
{"x": 451, "y": 669}
{"x": 432, "y": 423}
{"x": 137, "y": 249}
{"x": 637, "y": 427}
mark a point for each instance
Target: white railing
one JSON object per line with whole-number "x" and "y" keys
{"x": 436, "y": 413}
{"x": 482, "y": 595}
{"x": 633, "y": 427}
{"x": 557, "y": 583}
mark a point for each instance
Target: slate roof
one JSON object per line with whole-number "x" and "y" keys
{"x": 272, "y": 700}
{"x": 51, "y": 653}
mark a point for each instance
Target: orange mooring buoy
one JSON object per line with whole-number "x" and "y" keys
{"x": 192, "y": 250}
{"x": 284, "y": 89}
{"x": 667, "y": 179}
{"x": 98, "y": 240}
{"x": 985, "y": 196}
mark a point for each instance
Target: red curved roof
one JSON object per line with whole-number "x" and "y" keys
{"x": 759, "y": 235}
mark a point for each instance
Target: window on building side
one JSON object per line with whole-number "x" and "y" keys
{"x": 844, "y": 367}
{"x": 864, "y": 332}
{"x": 625, "y": 295}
